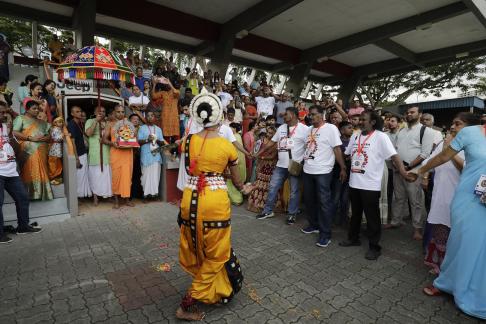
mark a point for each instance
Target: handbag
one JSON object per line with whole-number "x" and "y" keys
{"x": 295, "y": 168}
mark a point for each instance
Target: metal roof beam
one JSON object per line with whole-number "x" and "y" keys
{"x": 250, "y": 19}
{"x": 375, "y": 34}
{"x": 122, "y": 34}
{"x": 281, "y": 67}
{"x": 43, "y": 17}
{"x": 448, "y": 53}
{"x": 250, "y": 63}
{"x": 397, "y": 49}
{"x": 204, "y": 48}
{"x": 257, "y": 15}
{"x": 478, "y": 8}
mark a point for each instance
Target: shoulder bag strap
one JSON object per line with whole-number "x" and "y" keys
{"x": 288, "y": 136}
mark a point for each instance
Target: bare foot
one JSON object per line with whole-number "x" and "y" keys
{"x": 116, "y": 206}
{"x": 432, "y": 291}
{"x": 95, "y": 200}
{"x": 391, "y": 226}
{"x": 130, "y": 203}
{"x": 189, "y": 316}
{"x": 417, "y": 236}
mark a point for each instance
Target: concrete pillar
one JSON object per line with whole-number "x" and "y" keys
{"x": 319, "y": 90}
{"x": 221, "y": 57}
{"x": 34, "y": 39}
{"x": 348, "y": 89}
{"x": 252, "y": 76}
{"x": 306, "y": 90}
{"x": 141, "y": 54}
{"x": 84, "y": 21}
{"x": 298, "y": 77}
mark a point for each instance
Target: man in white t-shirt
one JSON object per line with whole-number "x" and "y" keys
{"x": 368, "y": 151}
{"x": 10, "y": 182}
{"x": 225, "y": 97}
{"x": 289, "y": 140}
{"x": 322, "y": 150}
{"x": 266, "y": 103}
{"x": 138, "y": 102}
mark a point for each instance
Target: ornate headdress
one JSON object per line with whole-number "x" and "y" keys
{"x": 206, "y": 109}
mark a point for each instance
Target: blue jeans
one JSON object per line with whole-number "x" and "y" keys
{"x": 278, "y": 178}
{"x": 15, "y": 187}
{"x": 318, "y": 202}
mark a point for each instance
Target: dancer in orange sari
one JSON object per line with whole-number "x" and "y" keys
{"x": 33, "y": 136}
{"x": 205, "y": 241}
{"x": 121, "y": 160}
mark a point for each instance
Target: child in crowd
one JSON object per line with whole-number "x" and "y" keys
{"x": 55, "y": 151}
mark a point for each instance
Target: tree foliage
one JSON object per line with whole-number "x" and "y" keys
{"x": 394, "y": 90}
{"x": 19, "y": 35}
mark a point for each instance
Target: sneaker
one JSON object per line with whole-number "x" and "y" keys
{"x": 5, "y": 239}
{"x": 310, "y": 230}
{"x": 348, "y": 243}
{"x": 323, "y": 242}
{"x": 265, "y": 215}
{"x": 29, "y": 229}
{"x": 291, "y": 219}
{"x": 372, "y": 254}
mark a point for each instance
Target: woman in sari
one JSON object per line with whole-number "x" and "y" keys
{"x": 265, "y": 166}
{"x": 205, "y": 239}
{"x": 36, "y": 90}
{"x": 236, "y": 197}
{"x": 33, "y": 137}
{"x": 249, "y": 141}
{"x": 446, "y": 179}
{"x": 462, "y": 271}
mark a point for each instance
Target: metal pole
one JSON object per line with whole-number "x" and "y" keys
{"x": 34, "y": 39}
{"x": 142, "y": 52}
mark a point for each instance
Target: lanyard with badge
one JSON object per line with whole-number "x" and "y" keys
{"x": 311, "y": 145}
{"x": 289, "y": 143}
{"x": 312, "y": 137}
{"x": 5, "y": 148}
{"x": 360, "y": 158}
{"x": 480, "y": 188}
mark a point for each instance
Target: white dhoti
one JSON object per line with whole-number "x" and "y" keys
{"x": 150, "y": 179}
{"x": 100, "y": 182}
{"x": 82, "y": 176}
{"x": 182, "y": 175}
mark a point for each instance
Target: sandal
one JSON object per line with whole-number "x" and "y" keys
{"x": 431, "y": 291}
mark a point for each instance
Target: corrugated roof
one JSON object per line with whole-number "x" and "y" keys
{"x": 465, "y": 102}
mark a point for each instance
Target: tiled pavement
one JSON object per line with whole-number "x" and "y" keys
{"x": 108, "y": 266}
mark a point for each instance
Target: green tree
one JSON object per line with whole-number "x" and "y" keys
{"x": 19, "y": 35}
{"x": 480, "y": 86}
{"x": 394, "y": 90}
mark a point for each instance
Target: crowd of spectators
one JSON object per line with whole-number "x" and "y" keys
{"x": 316, "y": 158}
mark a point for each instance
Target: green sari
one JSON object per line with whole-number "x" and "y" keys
{"x": 236, "y": 197}
{"x": 32, "y": 157}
